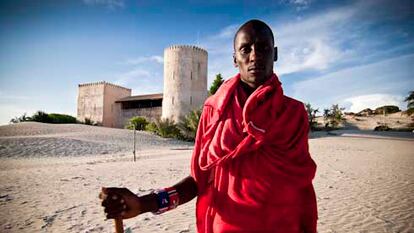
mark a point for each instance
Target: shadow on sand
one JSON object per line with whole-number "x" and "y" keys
{"x": 356, "y": 133}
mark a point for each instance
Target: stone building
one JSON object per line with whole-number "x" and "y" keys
{"x": 185, "y": 80}
{"x": 149, "y": 106}
{"x": 185, "y": 89}
{"x": 96, "y": 102}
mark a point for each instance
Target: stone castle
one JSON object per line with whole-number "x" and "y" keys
{"x": 185, "y": 89}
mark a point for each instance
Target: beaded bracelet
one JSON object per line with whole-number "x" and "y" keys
{"x": 167, "y": 199}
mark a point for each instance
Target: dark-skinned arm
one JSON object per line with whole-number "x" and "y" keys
{"x": 186, "y": 189}
{"x": 121, "y": 202}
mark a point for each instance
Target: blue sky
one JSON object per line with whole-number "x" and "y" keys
{"x": 354, "y": 53}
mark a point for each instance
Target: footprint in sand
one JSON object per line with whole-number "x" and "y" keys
{"x": 5, "y": 198}
{"x": 48, "y": 220}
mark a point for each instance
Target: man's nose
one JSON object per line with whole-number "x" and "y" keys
{"x": 255, "y": 53}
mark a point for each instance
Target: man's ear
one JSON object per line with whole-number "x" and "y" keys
{"x": 235, "y": 61}
{"x": 275, "y": 51}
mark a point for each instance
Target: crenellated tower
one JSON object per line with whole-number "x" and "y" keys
{"x": 185, "y": 80}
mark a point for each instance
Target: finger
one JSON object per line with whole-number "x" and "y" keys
{"x": 114, "y": 213}
{"x": 115, "y": 208}
{"x": 106, "y": 192}
{"x": 112, "y": 201}
{"x": 112, "y": 193}
{"x": 118, "y": 215}
{"x": 102, "y": 196}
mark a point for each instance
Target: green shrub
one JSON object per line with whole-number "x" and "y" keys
{"x": 168, "y": 129}
{"x": 216, "y": 84}
{"x": 151, "y": 127}
{"x": 365, "y": 112}
{"x": 165, "y": 128}
{"x": 22, "y": 118}
{"x": 410, "y": 111}
{"x": 311, "y": 116}
{"x": 137, "y": 122}
{"x": 388, "y": 109}
{"x": 410, "y": 100}
{"x": 88, "y": 121}
{"x": 189, "y": 124}
{"x": 382, "y": 127}
{"x": 41, "y": 116}
{"x": 61, "y": 118}
{"x": 333, "y": 116}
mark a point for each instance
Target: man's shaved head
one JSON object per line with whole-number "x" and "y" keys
{"x": 258, "y": 26}
{"x": 254, "y": 52}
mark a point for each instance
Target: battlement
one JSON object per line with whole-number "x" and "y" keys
{"x": 103, "y": 83}
{"x": 185, "y": 89}
{"x": 174, "y": 47}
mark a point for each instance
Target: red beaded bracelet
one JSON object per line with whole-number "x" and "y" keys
{"x": 167, "y": 199}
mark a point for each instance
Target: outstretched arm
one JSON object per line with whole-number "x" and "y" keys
{"x": 122, "y": 203}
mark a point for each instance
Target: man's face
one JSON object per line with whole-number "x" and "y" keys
{"x": 254, "y": 54}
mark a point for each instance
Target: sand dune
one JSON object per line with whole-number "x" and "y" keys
{"x": 42, "y": 140}
{"x": 398, "y": 120}
{"x": 50, "y": 176}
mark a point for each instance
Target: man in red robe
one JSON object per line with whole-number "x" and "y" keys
{"x": 251, "y": 169}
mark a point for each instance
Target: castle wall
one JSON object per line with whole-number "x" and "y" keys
{"x": 151, "y": 114}
{"x": 111, "y": 112}
{"x": 90, "y": 102}
{"x": 96, "y": 101}
{"x": 185, "y": 80}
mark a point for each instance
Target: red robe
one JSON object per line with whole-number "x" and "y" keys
{"x": 251, "y": 162}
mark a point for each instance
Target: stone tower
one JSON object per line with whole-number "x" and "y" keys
{"x": 96, "y": 101}
{"x": 185, "y": 80}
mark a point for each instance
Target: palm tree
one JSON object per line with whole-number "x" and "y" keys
{"x": 189, "y": 124}
{"x": 410, "y": 103}
{"x": 311, "y": 115}
{"x": 410, "y": 100}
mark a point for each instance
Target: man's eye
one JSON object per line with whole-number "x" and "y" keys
{"x": 244, "y": 50}
{"x": 264, "y": 48}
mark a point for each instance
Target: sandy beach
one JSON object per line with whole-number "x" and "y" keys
{"x": 50, "y": 177}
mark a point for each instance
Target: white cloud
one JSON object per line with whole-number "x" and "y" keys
{"x": 309, "y": 44}
{"x": 141, "y": 81}
{"x": 300, "y": 4}
{"x": 314, "y": 54}
{"x": 320, "y": 42}
{"x": 110, "y": 4}
{"x": 358, "y": 103}
{"x": 220, "y": 50}
{"x": 312, "y": 43}
{"x": 158, "y": 59}
{"x": 132, "y": 76}
{"x": 140, "y": 60}
{"x": 227, "y": 32}
{"x": 391, "y": 77}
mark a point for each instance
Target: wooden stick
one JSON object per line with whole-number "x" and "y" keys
{"x": 119, "y": 226}
{"x": 134, "y": 144}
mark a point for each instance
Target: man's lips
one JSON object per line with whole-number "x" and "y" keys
{"x": 256, "y": 69}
